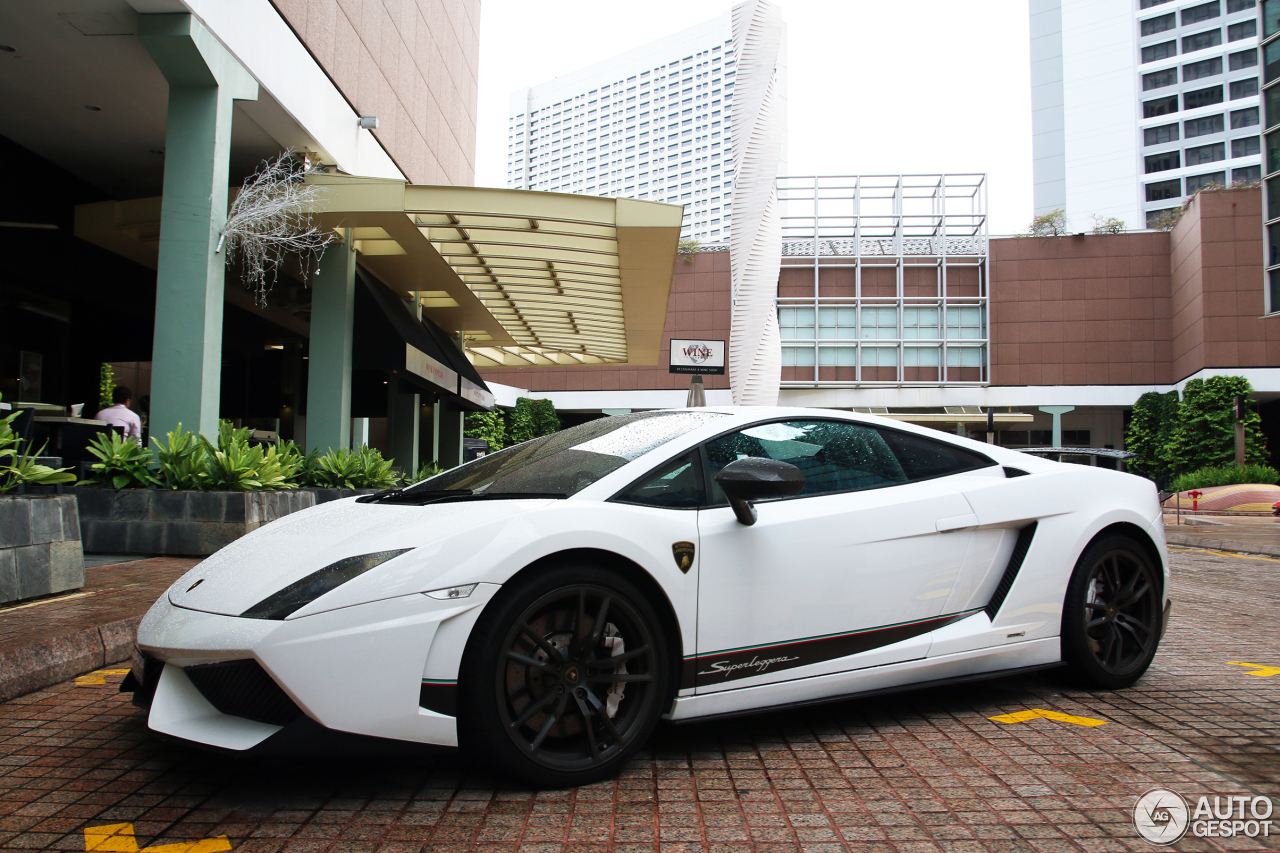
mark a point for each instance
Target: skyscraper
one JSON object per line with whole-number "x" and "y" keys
{"x": 1136, "y": 105}
{"x": 652, "y": 123}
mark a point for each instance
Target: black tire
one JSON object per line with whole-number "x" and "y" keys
{"x": 542, "y": 670}
{"x": 1111, "y": 617}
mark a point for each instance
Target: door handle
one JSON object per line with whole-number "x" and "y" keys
{"x": 957, "y": 522}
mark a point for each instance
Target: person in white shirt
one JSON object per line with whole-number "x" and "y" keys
{"x": 121, "y": 415}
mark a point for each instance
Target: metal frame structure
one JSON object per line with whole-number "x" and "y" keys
{"x": 934, "y": 222}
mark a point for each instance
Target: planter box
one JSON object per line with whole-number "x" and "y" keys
{"x": 40, "y": 551}
{"x": 163, "y": 522}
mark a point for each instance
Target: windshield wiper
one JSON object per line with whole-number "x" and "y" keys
{"x": 411, "y": 496}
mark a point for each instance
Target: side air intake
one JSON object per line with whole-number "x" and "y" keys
{"x": 242, "y": 688}
{"x": 1019, "y": 554}
{"x": 1011, "y": 472}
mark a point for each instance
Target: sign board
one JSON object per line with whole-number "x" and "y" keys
{"x": 697, "y": 356}
{"x": 418, "y": 362}
{"x": 469, "y": 390}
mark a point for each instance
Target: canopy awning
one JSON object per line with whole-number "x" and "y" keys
{"x": 529, "y": 278}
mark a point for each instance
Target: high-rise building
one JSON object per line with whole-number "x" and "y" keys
{"x": 1137, "y": 105}
{"x": 652, "y": 123}
{"x": 1270, "y": 16}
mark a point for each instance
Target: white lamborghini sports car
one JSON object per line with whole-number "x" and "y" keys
{"x": 544, "y": 606}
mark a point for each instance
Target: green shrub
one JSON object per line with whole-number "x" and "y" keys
{"x": 184, "y": 460}
{"x": 17, "y": 469}
{"x": 1204, "y": 434}
{"x": 359, "y": 469}
{"x": 486, "y": 425}
{"x": 1227, "y": 475}
{"x": 545, "y": 419}
{"x": 122, "y": 463}
{"x": 237, "y": 466}
{"x": 1148, "y": 435}
{"x": 425, "y": 472}
{"x": 106, "y": 386}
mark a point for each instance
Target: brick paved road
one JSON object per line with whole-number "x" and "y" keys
{"x": 923, "y": 771}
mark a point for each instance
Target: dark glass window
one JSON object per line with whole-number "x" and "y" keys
{"x": 1160, "y": 135}
{"x": 1246, "y": 147}
{"x": 1242, "y": 30}
{"x": 1196, "y": 182}
{"x": 1275, "y": 291}
{"x": 678, "y": 484}
{"x": 1164, "y": 189}
{"x": 1147, "y": 4}
{"x": 1240, "y": 5}
{"x": 1244, "y": 88}
{"x": 1164, "y": 23}
{"x": 1273, "y": 156}
{"x": 1203, "y": 126}
{"x": 1156, "y": 52}
{"x": 1203, "y": 12}
{"x": 1273, "y": 211}
{"x": 1244, "y": 118}
{"x": 1202, "y": 97}
{"x": 1200, "y": 41}
{"x": 1204, "y": 68}
{"x": 1206, "y": 154}
{"x": 1273, "y": 250}
{"x": 923, "y": 458}
{"x": 1271, "y": 105}
{"x": 1153, "y": 215}
{"x": 1160, "y": 107}
{"x": 1159, "y": 79}
{"x": 1271, "y": 61}
{"x": 1163, "y": 162}
{"x": 1270, "y": 17}
{"x": 834, "y": 456}
{"x": 1243, "y": 59}
{"x": 1248, "y": 175}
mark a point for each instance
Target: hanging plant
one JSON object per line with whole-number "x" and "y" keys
{"x": 270, "y": 220}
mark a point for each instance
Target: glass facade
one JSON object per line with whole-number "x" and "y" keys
{"x": 1269, "y": 10}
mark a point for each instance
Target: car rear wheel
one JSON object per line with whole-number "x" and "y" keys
{"x": 1111, "y": 618}
{"x": 563, "y": 677}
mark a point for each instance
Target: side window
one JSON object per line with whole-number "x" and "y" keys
{"x": 674, "y": 485}
{"x": 835, "y": 456}
{"x": 923, "y": 458}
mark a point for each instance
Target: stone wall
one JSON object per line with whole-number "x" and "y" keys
{"x": 40, "y": 551}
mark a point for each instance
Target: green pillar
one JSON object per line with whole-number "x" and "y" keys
{"x": 403, "y": 409}
{"x": 333, "y": 297}
{"x": 449, "y": 445}
{"x": 1057, "y": 412}
{"x": 204, "y": 79}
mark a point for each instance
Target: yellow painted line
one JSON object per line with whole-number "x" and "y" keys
{"x": 1261, "y": 670}
{"x": 99, "y": 677}
{"x": 43, "y": 602}
{"x": 118, "y": 838}
{"x": 1235, "y": 554}
{"x": 1040, "y": 713}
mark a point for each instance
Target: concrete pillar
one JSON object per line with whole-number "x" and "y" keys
{"x": 429, "y": 424}
{"x": 1057, "y": 412}
{"x": 204, "y": 79}
{"x": 359, "y": 433}
{"x": 403, "y": 407}
{"x": 450, "y": 433}
{"x": 333, "y": 295}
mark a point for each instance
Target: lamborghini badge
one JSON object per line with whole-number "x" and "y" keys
{"x": 683, "y": 552}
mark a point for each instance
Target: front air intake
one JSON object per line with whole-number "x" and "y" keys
{"x": 242, "y": 688}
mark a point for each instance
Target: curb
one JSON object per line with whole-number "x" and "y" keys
{"x": 59, "y": 658}
{"x": 1243, "y": 546}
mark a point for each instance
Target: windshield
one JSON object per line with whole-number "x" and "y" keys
{"x": 568, "y": 461}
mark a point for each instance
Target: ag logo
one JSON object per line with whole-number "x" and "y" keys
{"x": 1160, "y": 816}
{"x": 683, "y": 552}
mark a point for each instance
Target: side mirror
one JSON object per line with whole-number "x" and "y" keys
{"x": 754, "y": 479}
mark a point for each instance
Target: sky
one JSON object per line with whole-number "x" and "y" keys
{"x": 874, "y": 87}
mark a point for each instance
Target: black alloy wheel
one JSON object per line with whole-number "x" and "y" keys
{"x": 1111, "y": 619}
{"x": 564, "y": 677}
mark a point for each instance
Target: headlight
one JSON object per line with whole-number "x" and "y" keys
{"x": 302, "y": 592}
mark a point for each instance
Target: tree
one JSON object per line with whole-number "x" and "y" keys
{"x": 1051, "y": 224}
{"x": 486, "y": 425}
{"x": 521, "y": 426}
{"x": 545, "y": 419}
{"x": 1204, "y": 434}
{"x": 1107, "y": 224}
{"x": 687, "y": 248}
{"x": 1148, "y": 435}
{"x": 106, "y": 386}
{"x": 1166, "y": 219}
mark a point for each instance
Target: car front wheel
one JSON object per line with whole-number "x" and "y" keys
{"x": 563, "y": 677}
{"x": 1111, "y": 618}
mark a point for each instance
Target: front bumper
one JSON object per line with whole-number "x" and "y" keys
{"x": 355, "y": 669}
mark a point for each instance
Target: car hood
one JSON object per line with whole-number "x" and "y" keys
{"x": 277, "y": 554}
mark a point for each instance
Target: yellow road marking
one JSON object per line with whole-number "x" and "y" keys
{"x": 1262, "y": 671}
{"x": 1235, "y": 554}
{"x": 118, "y": 838}
{"x": 1038, "y": 713}
{"x": 98, "y": 677}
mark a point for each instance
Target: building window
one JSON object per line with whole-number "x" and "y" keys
{"x": 1244, "y": 118}
{"x": 964, "y": 323}
{"x": 1162, "y": 24}
{"x": 838, "y": 356}
{"x": 1203, "y": 126}
{"x": 1242, "y": 30}
{"x": 1156, "y": 52}
{"x": 1199, "y": 70}
{"x": 964, "y": 357}
{"x": 920, "y": 357}
{"x": 837, "y": 323}
{"x": 1246, "y": 147}
{"x": 1159, "y": 79}
{"x": 1202, "y": 98}
{"x": 1272, "y": 106}
{"x": 1273, "y": 159}
{"x": 920, "y": 323}
{"x": 1247, "y": 175}
{"x": 1164, "y": 190}
{"x": 1203, "y": 12}
{"x": 1163, "y": 162}
{"x": 796, "y": 324}
{"x": 1153, "y": 215}
{"x": 1206, "y": 154}
{"x": 1198, "y": 182}
{"x": 1240, "y": 5}
{"x": 880, "y": 323}
{"x": 1147, "y": 4}
{"x": 1200, "y": 41}
{"x": 1271, "y": 61}
{"x": 797, "y": 356}
{"x": 1160, "y": 135}
{"x": 1243, "y": 59}
{"x": 879, "y": 356}
{"x": 1244, "y": 88}
{"x": 1160, "y": 107}
{"x": 1270, "y": 19}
